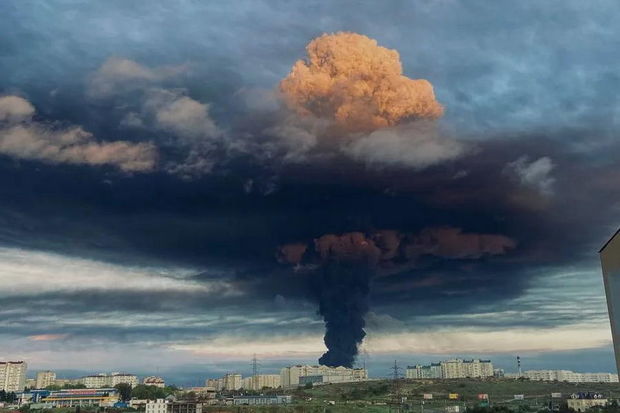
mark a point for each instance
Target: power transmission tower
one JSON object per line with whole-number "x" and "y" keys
{"x": 255, "y": 373}
{"x": 396, "y": 396}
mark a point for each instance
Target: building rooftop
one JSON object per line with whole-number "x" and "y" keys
{"x": 609, "y": 240}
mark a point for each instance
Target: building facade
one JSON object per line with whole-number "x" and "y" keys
{"x": 452, "y": 369}
{"x": 108, "y": 380}
{"x": 610, "y": 261}
{"x": 81, "y": 397}
{"x": 260, "y": 400}
{"x": 154, "y": 381}
{"x": 13, "y": 375}
{"x": 44, "y": 379}
{"x": 232, "y": 381}
{"x": 294, "y": 376}
{"x": 569, "y": 376}
{"x": 156, "y": 406}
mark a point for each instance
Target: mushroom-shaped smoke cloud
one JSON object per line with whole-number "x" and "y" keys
{"x": 351, "y": 80}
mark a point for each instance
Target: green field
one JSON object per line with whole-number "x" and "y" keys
{"x": 380, "y": 396}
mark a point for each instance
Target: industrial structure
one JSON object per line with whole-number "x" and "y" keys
{"x": 610, "y": 261}
{"x": 81, "y": 397}
{"x": 452, "y": 369}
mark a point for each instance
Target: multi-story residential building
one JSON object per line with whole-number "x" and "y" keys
{"x": 216, "y": 384}
{"x": 96, "y": 381}
{"x": 232, "y": 381}
{"x": 109, "y": 380}
{"x": 13, "y": 375}
{"x": 610, "y": 261}
{"x": 570, "y": 376}
{"x": 294, "y": 376}
{"x": 118, "y": 378}
{"x": 154, "y": 381}
{"x": 156, "y": 406}
{"x": 45, "y": 378}
{"x": 432, "y": 371}
{"x": 452, "y": 369}
{"x": 261, "y": 381}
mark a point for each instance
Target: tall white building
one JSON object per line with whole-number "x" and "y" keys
{"x": 452, "y": 369}
{"x": 45, "y": 378}
{"x": 570, "y": 376}
{"x": 294, "y": 376}
{"x": 13, "y": 375}
{"x": 610, "y": 261}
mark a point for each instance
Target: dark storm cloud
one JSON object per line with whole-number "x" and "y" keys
{"x": 529, "y": 89}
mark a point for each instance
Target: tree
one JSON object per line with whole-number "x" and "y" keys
{"x": 144, "y": 392}
{"x": 124, "y": 390}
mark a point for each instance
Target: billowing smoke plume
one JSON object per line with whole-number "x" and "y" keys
{"x": 346, "y": 263}
{"x": 351, "y": 80}
{"x": 343, "y": 289}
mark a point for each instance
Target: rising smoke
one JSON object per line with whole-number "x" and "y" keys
{"x": 343, "y": 267}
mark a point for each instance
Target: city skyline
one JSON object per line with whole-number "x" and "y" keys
{"x": 198, "y": 183}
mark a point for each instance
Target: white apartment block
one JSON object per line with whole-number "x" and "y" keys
{"x": 294, "y": 376}
{"x": 156, "y": 406}
{"x": 104, "y": 380}
{"x": 570, "y": 376}
{"x": 452, "y": 369}
{"x": 13, "y": 375}
{"x": 45, "y": 378}
{"x": 118, "y": 378}
{"x": 261, "y": 381}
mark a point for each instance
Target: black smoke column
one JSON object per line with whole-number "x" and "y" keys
{"x": 342, "y": 290}
{"x": 343, "y": 303}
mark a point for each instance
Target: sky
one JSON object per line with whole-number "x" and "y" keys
{"x": 177, "y": 194}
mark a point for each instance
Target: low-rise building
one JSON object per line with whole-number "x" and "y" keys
{"x": 154, "y": 381}
{"x": 13, "y": 375}
{"x": 260, "y": 400}
{"x": 44, "y": 379}
{"x": 138, "y": 404}
{"x": 581, "y": 405}
{"x": 106, "y": 397}
{"x": 156, "y": 406}
{"x": 184, "y": 407}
